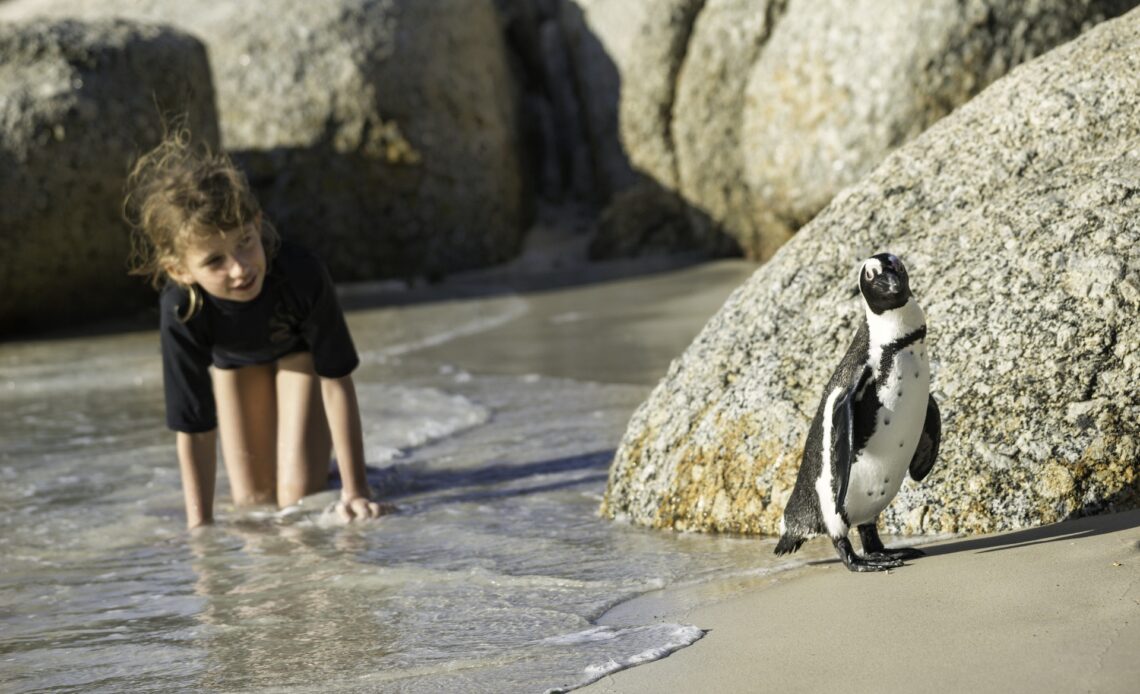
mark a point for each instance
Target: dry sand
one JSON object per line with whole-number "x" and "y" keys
{"x": 1052, "y": 609}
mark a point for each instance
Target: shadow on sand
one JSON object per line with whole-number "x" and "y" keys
{"x": 1065, "y": 530}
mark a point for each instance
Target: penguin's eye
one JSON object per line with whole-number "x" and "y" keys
{"x": 869, "y": 273}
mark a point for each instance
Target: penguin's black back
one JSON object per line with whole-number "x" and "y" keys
{"x": 803, "y": 516}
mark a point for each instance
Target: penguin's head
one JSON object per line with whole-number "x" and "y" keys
{"x": 884, "y": 282}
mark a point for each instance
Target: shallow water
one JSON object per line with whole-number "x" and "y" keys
{"x": 490, "y": 422}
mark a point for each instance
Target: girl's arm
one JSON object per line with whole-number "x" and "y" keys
{"x": 197, "y": 458}
{"x": 343, "y": 411}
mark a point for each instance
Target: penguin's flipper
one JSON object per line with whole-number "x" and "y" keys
{"x": 927, "y": 450}
{"x": 842, "y": 442}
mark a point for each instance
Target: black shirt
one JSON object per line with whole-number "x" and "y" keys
{"x": 296, "y": 311}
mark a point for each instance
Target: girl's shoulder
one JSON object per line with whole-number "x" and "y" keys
{"x": 174, "y": 304}
{"x": 173, "y": 300}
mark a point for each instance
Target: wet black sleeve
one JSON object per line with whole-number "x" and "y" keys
{"x": 185, "y": 370}
{"x": 326, "y": 332}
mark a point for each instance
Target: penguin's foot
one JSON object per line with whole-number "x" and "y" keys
{"x": 902, "y": 553}
{"x": 869, "y": 562}
{"x": 863, "y": 565}
{"x": 873, "y": 546}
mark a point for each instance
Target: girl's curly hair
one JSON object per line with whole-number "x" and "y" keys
{"x": 181, "y": 190}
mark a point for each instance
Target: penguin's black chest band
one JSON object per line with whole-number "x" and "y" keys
{"x": 892, "y": 349}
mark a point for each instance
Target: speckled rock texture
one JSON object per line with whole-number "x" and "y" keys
{"x": 381, "y": 133}
{"x": 755, "y": 113}
{"x": 1019, "y": 218}
{"x": 77, "y": 102}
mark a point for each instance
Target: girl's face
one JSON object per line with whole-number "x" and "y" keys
{"x": 230, "y": 266}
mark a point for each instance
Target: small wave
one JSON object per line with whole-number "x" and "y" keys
{"x": 655, "y": 642}
{"x": 397, "y": 418}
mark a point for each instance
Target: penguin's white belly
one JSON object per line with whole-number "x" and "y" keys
{"x": 878, "y": 469}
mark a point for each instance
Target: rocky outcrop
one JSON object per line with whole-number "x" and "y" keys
{"x": 840, "y": 84}
{"x": 78, "y": 101}
{"x": 645, "y": 115}
{"x": 648, "y": 215}
{"x": 1019, "y": 217}
{"x": 753, "y": 114}
{"x": 706, "y": 127}
{"x": 382, "y": 133}
{"x": 598, "y": 35}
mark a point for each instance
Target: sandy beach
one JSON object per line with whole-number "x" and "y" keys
{"x": 1051, "y": 609}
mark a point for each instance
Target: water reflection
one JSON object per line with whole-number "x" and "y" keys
{"x": 282, "y": 605}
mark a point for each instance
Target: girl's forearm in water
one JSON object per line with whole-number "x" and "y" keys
{"x": 197, "y": 459}
{"x": 343, "y": 412}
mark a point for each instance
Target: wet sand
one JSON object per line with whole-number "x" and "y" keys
{"x": 1052, "y": 609}
{"x": 617, "y": 321}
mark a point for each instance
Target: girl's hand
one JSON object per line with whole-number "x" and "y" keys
{"x": 361, "y": 508}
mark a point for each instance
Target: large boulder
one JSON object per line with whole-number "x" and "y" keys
{"x": 1019, "y": 218}
{"x": 78, "y": 101}
{"x": 645, "y": 115}
{"x": 752, "y": 114}
{"x": 649, "y": 215}
{"x": 625, "y": 57}
{"x": 382, "y": 133}
{"x": 706, "y": 127}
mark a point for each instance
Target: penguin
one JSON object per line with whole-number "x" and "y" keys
{"x": 876, "y": 421}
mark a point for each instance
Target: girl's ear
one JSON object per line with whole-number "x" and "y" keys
{"x": 176, "y": 272}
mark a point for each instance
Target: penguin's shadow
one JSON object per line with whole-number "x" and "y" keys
{"x": 1057, "y": 532}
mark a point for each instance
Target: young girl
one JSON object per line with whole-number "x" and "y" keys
{"x": 263, "y": 314}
